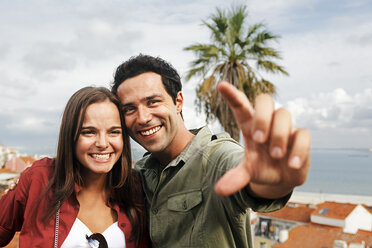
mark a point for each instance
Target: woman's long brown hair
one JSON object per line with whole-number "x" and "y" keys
{"x": 121, "y": 181}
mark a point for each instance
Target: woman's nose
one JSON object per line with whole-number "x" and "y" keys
{"x": 102, "y": 141}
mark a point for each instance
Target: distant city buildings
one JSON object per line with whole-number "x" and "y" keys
{"x": 12, "y": 163}
{"x": 7, "y": 153}
{"x": 327, "y": 224}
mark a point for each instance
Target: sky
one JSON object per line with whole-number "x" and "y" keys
{"x": 50, "y": 49}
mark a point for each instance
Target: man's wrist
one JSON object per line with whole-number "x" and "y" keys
{"x": 267, "y": 192}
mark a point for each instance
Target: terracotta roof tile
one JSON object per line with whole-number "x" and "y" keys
{"x": 369, "y": 208}
{"x": 312, "y": 235}
{"x": 28, "y": 160}
{"x": 6, "y": 170}
{"x": 363, "y": 232}
{"x": 334, "y": 210}
{"x": 292, "y": 211}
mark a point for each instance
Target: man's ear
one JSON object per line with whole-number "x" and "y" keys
{"x": 179, "y": 102}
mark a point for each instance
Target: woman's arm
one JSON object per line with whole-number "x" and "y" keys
{"x": 12, "y": 207}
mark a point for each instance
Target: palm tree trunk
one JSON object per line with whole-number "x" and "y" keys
{"x": 221, "y": 109}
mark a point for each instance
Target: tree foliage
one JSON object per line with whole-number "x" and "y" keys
{"x": 237, "y": 53}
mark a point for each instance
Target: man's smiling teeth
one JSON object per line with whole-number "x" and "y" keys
{"x": 101, "y": 156}
{"x": 151, "y": 131}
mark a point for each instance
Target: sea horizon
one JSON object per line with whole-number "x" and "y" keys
{"x": 340, "y": 171}
{"x": 344, "y": 171}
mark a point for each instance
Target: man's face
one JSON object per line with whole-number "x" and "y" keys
{"x": 151, "y": 116}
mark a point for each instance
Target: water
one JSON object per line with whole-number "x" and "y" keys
{"x": 333, "y": 171}
{"x": 340, "y": 171}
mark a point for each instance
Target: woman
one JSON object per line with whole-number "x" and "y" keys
{"x": 89, "y": 192}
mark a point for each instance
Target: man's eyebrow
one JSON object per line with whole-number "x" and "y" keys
{"x": 147, "y": 98}
{"x": 126, "y": 104}
{"x": 151, "y": 97}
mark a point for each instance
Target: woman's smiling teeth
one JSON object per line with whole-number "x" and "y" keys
{"x": 101, "y": 156}
{"x": 151, "y": 131}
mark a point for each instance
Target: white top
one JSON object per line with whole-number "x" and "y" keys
{"x": 76, "y": 237}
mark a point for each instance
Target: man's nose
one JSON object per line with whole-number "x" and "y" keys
{"x": 144, "y": 115}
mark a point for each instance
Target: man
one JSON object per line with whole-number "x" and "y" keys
{"x": 184, "y": 169}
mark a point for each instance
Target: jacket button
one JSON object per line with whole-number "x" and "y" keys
{"x": 184, "y": 205}
{"x": 154, "y": 210}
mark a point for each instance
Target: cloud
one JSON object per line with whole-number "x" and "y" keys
{"x": 364, "y": 39}
{"x": 102, "y": 39}
{"x": 324, "y": 59}
{"x": 73, "y": 35}
{"x": 14, "y": 87}
{"x": 48, "y": 57}
{"x": 29, "y": 130}
{"x": 333, "y": 110}
{"x": 4, "y": 50}
{"x": 51, "y": 49}
{"x": 30, "y": 121}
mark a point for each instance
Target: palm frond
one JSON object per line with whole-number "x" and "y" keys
{"x": 219, "y": 26}
{"x": 235, "y": 23}
{"x": 207, "y": 86}
{"x": 206, "y": 51}
{"x": 253, "y": 29}
{"x": 220, "y": 20}
{"x": 264, "y": 36}
{"x": 194, "y": 72}
{"x": 270, "y": 66}
{"x": 216, "y": 35}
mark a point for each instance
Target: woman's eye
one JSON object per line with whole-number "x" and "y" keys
{"x": 116, "y": 132}
{"x": 87, "y": 132}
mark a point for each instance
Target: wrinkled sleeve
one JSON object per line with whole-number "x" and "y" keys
{"x": 225, "y": 154}
{"x": 12, "y": 207}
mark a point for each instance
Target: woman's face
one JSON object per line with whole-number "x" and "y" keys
{"x": 100, "y": 142}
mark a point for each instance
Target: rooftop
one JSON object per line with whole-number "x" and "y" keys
{"x": 28, "y": 159}
{"x": 334, "y": 210}
{"x": 313, "y": 235}
{"x": 298, "y": 212}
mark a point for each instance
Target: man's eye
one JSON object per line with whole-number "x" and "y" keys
{"x": 128, "y": 110}
{"x": 151, "y": 102}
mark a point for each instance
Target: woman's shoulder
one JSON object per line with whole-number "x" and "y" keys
{"x": 46, "y": 161}
{"x": 42, "y": 166}
{"x": 34, "y": 178}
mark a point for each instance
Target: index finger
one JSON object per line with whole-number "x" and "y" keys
{"x": 238, "y": 102}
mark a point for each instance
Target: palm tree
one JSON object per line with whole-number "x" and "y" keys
{"x": 235, "y": 47}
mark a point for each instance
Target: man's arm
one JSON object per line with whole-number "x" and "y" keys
{"x": 276, "y": 154}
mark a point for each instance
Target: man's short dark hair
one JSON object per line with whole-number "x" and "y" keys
{"x": 137, "y": 65}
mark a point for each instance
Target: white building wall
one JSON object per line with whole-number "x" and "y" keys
{"x": 359, "y": 218}
{"x": 6, "y": 154}
{"x": 327, "y": 221}
{"x": 2, "y": 156}
{"x": 254, "y": 221}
